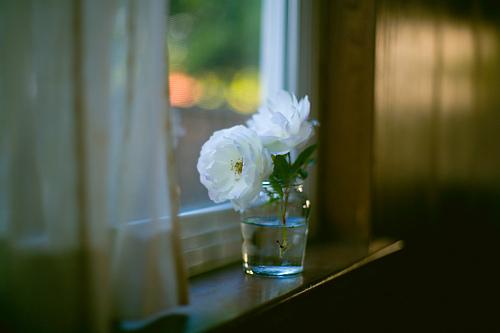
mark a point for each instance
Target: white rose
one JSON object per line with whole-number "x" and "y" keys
{"x": 232, "y": 165}
{"x": 282, "y": 124}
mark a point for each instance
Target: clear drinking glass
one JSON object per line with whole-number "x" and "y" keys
{"x": 274, "y": 232}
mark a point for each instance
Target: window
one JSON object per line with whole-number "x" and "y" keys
{"x": 225, "y": 57}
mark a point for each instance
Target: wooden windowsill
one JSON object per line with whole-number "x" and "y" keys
{"x": 226, "y": 295}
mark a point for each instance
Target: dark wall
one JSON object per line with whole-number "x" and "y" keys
{"x": 437, "y": 119}
{"x": 410, "y": 118}
{"x": 436, "y": 171}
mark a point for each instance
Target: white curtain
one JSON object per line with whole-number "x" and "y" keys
{"x": 87, "y": 203}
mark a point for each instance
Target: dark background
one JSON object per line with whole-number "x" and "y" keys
{"x": 410, "y": 114}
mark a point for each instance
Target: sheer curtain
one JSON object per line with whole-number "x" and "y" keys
{"x": 87, "y": 203}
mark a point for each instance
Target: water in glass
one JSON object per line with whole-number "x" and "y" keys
{"x": 272, "y": 248}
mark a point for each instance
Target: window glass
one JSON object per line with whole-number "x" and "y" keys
{"x": 214, "y": 49}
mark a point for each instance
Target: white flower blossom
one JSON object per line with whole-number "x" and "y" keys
{"x": 282, "y": 123}
{"x": 232, "y": 165}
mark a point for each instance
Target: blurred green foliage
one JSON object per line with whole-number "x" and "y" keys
{"x": 220, "y": 36}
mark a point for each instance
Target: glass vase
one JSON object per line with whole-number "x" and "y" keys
{"x": 274, "y": 231}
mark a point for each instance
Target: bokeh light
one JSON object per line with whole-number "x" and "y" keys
{"x": 212, "y": 92}
{"x": 243, "y": 93}
{"x": 185, "y": 90}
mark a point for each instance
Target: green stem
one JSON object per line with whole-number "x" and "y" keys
{"x": 284, "y": 206}
{"x": 284, "y": 242}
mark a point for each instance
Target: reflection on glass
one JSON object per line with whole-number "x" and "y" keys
{"x": 214, "y": 78}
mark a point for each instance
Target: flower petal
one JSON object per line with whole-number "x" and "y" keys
{"x": 282, "y": 123}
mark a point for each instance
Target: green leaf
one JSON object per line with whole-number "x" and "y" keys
{"x": 276, "y": 186}
{"x": 304, "y": 157}
{"x": 286, "y": 173}
{"x": 282, "y": 171}
{"x": 281, "y": 166}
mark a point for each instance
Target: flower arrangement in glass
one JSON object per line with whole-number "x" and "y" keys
{"x": 252, "y": 166}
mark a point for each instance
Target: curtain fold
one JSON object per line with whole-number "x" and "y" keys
{"x": 87, "y": 207}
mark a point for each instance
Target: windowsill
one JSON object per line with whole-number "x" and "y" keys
{"x": 225, "y": 295}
